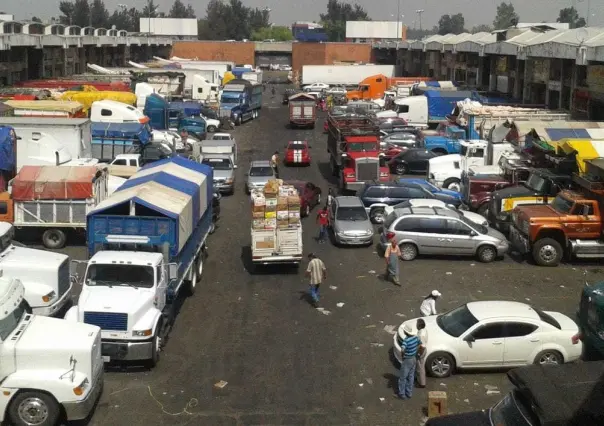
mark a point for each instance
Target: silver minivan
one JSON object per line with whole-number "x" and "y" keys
{"x": 434, "y": 231}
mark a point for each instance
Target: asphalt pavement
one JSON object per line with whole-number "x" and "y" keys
{"x": 286, "y": 363}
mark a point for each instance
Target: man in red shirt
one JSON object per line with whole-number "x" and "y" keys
{"x": 322, "y": 221}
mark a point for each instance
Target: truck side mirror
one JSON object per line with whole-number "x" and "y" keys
{"x": 172, "y": 271}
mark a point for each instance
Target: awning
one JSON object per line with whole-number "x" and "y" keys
{"x": 54, "y": 183}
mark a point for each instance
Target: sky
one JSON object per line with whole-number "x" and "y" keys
{"x": 284, "y": 12}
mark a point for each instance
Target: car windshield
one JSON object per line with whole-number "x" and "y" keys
{"x": 456, "y": 322}
{"x": 10, "y": 322}
{"x": 428, "y": 186}
{"x": 562, "y": 204}
{"x": 351, "y": 213}
{"x": 536, "y": 183}
{"x": 476, "y": 226}
{"x": 218, "y": 163}
{"x": 547, "y": 318}
{"x": 512, "y": 410}
{"x": 360, "y": 147}
{"x": 119, "y": 275}
{"x": 261, "y": 171}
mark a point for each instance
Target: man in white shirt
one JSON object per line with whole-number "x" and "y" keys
{"x": 275, "y": 163}
{"x": 317, "y": 272}
{"x": 428, "y": 306}
{"x": 422, "y": 333}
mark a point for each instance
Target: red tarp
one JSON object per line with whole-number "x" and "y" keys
{"x": 54, "y": 183}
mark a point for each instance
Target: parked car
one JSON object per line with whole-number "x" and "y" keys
{"x": 395, "y": 143}
{"x": 221, "y": 137}
{"x": 349, "y": 222}
{"x": 429, "y": 202}
{"x": 224, "y": 172}
{"x": 310, "y": 195}
{"x": 413, "y": 160}
{"x": 316, "y": 87}
{"x": 378, "y": 195}
{"x": 336, "y": 90}
{"x": 437, "y": 231}
{"x": 259, "y": 174}
{"x": 297, "y": 153}
{"x": 430, "y": 187}
{"x": 495, "y": 334}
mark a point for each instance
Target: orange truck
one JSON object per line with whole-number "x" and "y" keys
{"x": 571, "y": 226}
{"x": 373, "y": 87}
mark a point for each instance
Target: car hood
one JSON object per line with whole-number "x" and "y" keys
{"x": 258, "y": 180}
{"x": 476, "y": 218}
{"x": 473, "y": 418}
{"x": 565, "y": 322}
{"x": 222, "y": 174}
{"x": 359, "y": 226}
{"x": 450, "y": 193}
{"x": 434, "y": 331}
{"x": 448, "y": 199}
{"x": 444, "y": 159}
{"x": 539, "y": 211}
{"x": 513, "y": 191}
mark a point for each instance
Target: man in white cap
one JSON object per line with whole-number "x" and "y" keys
{"x": 409, "y": 348}
{"x": 428, "y": 306}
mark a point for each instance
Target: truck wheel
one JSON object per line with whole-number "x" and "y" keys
{"x": 54, "y": 239}
{"x": 453, "y": 184}
{"x": 401, "y": 169}
{"x": 408, "y": 251}
{"x": 156, "y": 349}
{"x": 211, "y": 129}
{"x": 377, "y": 215}
{"x": 238, "y": 121}
{"x": 34, "y": 408}
{"x": 547, "y": 252}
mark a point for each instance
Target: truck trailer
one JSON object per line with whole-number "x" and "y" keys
{"x": 343, "y": 74}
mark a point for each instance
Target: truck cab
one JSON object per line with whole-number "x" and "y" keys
{"x": 369, "y": 88}
{"x": 203, "y": 90}
{"x": 50, "y": 367}
{"x": 162, "y": 117}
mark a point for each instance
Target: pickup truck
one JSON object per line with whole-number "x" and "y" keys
{"x": 126, "y": 165}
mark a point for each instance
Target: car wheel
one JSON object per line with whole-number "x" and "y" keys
{"x": 440, "y": 364}
{"x": 549, "y": 357}
{"x": 408, "y": 251}
{"x": 547, "y": 252}
{"x": 377, "y": 215}
{"x": 211, "y": 129}
{"x": 452, "y": 184}
{"x": 486, "y": 254}
{"x": 401, "y": 169}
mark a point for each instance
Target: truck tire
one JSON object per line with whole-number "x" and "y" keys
{"x": 483, "y": 210}
{"x": 54, "y": 239}
{"x": 452, "y": 184}
{"x": 156, "y": 349}
{"x": 547, "y": 252}
{"x": 34, "y": 408}
{"x": 439, "y": 151}
{"x": 238, "y": 121}
{"x": 211, "y": 129}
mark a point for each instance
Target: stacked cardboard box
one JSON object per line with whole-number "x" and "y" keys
{"x": 277, "y": 205}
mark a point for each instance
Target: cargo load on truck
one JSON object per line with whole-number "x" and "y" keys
{"x": 63, "y": 109}
{"x": 276, "y": 228}
{"x": 54, "y": 200}
{"x": 87, "y": 98}
{"x": 348, "y": 74}
{"x": 112, "y": 139}
{"x": 302, "y": 110}
{"x": 146, "y": 244}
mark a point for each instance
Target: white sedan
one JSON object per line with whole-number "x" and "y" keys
{"x": 315, "y": 87}
{"x": 428, "y": 202}
{"x": 495, "y": 334}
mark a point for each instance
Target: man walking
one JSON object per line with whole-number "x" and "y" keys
{"x": 275, "y": 163}
{"x": 322, "y": 220}
{"x": 409, "y": 348}
{"x": 317, "y": 272}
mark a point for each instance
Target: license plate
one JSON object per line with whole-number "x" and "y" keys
{"x": 106, "y": 359}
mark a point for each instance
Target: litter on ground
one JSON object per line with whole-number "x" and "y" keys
{"x": 324, "y": 311}
{"x": 221, "y": 384}
{"x": 391, "y": 329}
{"x": 333, "y": 287}
{"x": 340, "y": 304}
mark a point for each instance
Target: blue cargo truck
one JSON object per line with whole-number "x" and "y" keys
{"x": 111, "y": 139}
{"x": 241, "y": 100}
{"x": 146, "y": 246}
{"x": 166, "y": 116}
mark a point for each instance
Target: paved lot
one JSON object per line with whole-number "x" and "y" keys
{"x": 289, "y": 364}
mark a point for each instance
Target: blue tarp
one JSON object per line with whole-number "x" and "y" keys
{"x": 130, "y": 131}
{"x": 441, "y": 103}
{"x": 190, "y": 109}
{"x": 7, "y": 149}
{"x": 559, "y": 134}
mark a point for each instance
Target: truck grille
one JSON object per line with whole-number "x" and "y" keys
{"x": 224, "y": 113}
{"x": 64, "y": 279}
{"x": 107, "y": 320}
{"x": 368, "y": 170}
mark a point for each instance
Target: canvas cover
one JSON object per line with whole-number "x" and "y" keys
{"x": 136, "y": 131}
{"x": 8, "y": 139}
{"x": 54, "y": 183}
{"x": 69, "y": 107}
{"x": 87, "y": 98}
{"x": 189, "y": 109}
{"x": 547, "y": 134}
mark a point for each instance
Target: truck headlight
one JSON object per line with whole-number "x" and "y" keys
{"x": 524, "y": 226}
{"x": 229, "y": 181}
{"x": 142, "y": 333}
{"x": 47, "y": 298}
{"x": 81, "y": 389}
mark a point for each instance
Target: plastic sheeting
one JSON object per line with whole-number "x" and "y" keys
{"x": 69, "y": 107}
{"x": 138, "y": 131}
{"x": 8, "y": 140}
{"x": 54, "y": 183}
{"x": 88, "y": 98}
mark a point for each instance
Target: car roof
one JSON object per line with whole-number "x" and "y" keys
{"x": 428, "y": 211}
{"x": 260, "y": 163}
{"x": 298, "y": 142}
{"x": 501, "y": 308}
{"x": 348, "y": 201}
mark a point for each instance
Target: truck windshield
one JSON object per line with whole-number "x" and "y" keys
{"x": 120, "y": 275}
{"x": 456, "y": 322}
{"x": 512, "y": 410}
{"x": 361, "y": 146}
{"x": 9, "y": 323}
{"x": 536, "y": 183}
{"x": 230, "y": 98}
{"x": 218, "y": 163}
{"x": 562, "y": 205}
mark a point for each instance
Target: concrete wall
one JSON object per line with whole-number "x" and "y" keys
{"x": 238, "y": 52}
{"x": 328, "y": 53}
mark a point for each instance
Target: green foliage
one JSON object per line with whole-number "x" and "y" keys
{"x": 231, "y": 21}
{"x": 569, "y": 15}
{"x": 451, "y": 24}
{"x": 276, "y": 33}
{"x": 505, "y": 17}
{"x": 481, "y": 29}
{"x": 99, "y": 15}
{"x": 150, "y": 10}
{"x": 337, "y": 14}
{"x": 179, "y": 10}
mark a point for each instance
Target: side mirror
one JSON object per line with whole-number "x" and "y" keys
{"x": 172, "y": 271}
{"x": 235, "y": 166}
{"x": 473, "y": 234}
{"x": 469, "y": 338}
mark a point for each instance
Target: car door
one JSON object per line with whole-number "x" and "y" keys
{"x": 422, "y": 160}
{"x": 397, "y": 194}
{"x": 483, "y": 345}
{"x": 331, "y": 216}
{"x": 522, "y": 343}
{"x": 430, "y": 233}
{"x": 410, "y": 158}
{"x": 414, "y": 193}
{"x": 459, "y": 238}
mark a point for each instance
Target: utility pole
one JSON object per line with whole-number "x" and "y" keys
{"x": 419, "y": 13}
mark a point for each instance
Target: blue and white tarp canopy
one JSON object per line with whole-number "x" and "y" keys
{"x": 175, "y": 188}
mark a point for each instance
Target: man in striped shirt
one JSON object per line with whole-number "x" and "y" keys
{"x": 317, "y": 272}
{"x": 409, "y": 348}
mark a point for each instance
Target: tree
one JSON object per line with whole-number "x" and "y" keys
{"x": 506, "y": 16}
{"x": 569, "y": 15}
{"x": 67, "y": 9}
{"x": 231, "y": 21}
{"x": 35, "y": 19}
{"x": 179, "y": 10}
{"x": 259, "y": 19}
{"x": 276, "y": 33}
{"x": 99, "y": 15}
{"x": 337, "y": 14}
{"x": 481, "y": 29}
{"x": 415, "y": 34}
{"x": 451, "y": 24}
{"x": 150, "y": 10}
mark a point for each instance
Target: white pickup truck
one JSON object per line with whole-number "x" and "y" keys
{"x": 44, "y": 274}
{"x": 51, "y": 368}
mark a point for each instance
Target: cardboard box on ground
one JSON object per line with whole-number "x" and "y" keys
{"x": 276, "y": 205}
